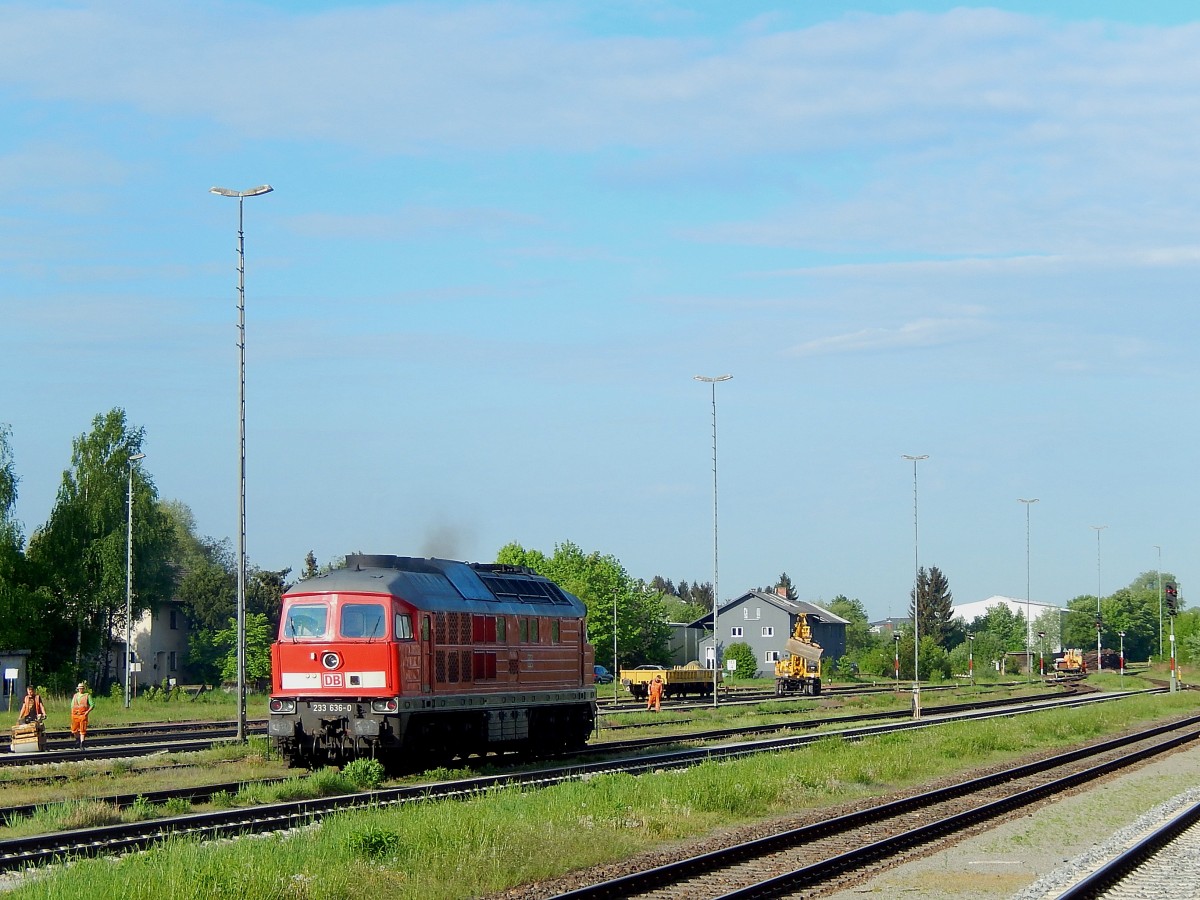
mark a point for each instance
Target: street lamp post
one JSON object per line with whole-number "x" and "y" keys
{"x": 241, "y": 583}
{"x": 1028, "y": 620}
{"x": 716, "y": 594}
{"x": 916, "y": 595}
{"x": 129, "y": 577}
{"x": 1099, "y": 618}
{"x": 616, "y": 670}
{"x": 1159, "y": 570}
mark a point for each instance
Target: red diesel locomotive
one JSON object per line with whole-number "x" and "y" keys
{"x": 412, "y": 660}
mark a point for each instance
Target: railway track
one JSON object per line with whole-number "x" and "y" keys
{"x": 20, "y": 853}
{"x": 1160, "y": 864}
{"x": 203, "y": 793}
{"x": 840, "y": 852}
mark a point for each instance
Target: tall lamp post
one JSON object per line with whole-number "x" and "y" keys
{"x": 1028, "y": 620}
{"x": 716, "y": 594}
{"x": 129, "y": 577}
{"x": 241, "y": 584}
{"x": 1099, "y": 619}
{"x": 1159, "y": 570}
{"x": 616, "y": 670}
{"x": 916, "y": 595}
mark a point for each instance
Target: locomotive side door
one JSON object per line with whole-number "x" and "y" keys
{"x": 426, "y": 653}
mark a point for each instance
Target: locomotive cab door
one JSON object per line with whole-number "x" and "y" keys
{"x": 426, "y": 654}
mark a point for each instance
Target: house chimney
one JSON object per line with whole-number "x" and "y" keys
{"x": 781, "y": 591}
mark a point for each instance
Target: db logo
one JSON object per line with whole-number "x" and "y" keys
{"x": 331, "y": 679}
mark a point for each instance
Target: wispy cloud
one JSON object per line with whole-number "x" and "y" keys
{"x": 919, "y": 333}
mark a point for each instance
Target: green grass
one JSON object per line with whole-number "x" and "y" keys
{"x": 505, "y": 837}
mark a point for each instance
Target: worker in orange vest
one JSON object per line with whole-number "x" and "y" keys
{"x": 32, "y": 708}
{"x": 81, "y": 708}
{"x": 654, "y": 700}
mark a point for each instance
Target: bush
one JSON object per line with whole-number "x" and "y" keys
{"x": 367, "y": 774}
{"x": 747, "y": 662}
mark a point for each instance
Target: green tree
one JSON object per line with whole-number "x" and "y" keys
{"x": 258, "y": 649}
{"x": 859, "y": 639}
{"x": 79, "y": 555}
{"x": 598, "y": 580}
{"x": 747, "y": 662}
{"x": 18, "y": 614}
{"x": 789, "y": 590}
{"x": 936, "y": 605}
{"x": 1006, "y": 626}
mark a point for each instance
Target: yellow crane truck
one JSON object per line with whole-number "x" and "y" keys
{"x": 800, "y": 671}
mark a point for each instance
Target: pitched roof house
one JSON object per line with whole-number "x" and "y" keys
{"x": 765, "y": 620}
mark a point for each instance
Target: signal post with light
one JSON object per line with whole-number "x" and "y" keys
{"x": 1171, "y": 590}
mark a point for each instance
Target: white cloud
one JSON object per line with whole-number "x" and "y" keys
{"x": 919, "y": 333}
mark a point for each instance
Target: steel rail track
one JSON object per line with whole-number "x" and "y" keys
{"x": 201, "y": 793}
{"x": 708, "y": 865}
{"x": 1126, "y": 864}
{"x": 20, "y": 853}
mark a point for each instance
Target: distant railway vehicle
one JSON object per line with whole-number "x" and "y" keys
{"x": 413, "y": 660}
{"x": 800, "y": 671}
{"x": 1071, "y": 663}
{"x": 677, "y": 682}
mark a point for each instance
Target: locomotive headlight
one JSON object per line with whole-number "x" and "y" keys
{"x": 384, "y": 706}
{"x": 282, "y": 706}
{"x": 330, "y": 660}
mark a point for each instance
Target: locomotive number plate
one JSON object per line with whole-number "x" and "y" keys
{"x": 331, "y": 707}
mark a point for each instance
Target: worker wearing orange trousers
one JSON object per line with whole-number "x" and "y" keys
{"x": 81, "y": 708}
{"x": 654, "y": 700}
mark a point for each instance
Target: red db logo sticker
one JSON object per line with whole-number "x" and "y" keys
{"x": 331, "y": 679}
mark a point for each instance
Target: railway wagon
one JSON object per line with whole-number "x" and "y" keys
{"x": 677, "y": 682}
{"x": 413, "y": 660}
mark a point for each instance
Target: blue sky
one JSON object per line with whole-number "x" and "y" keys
{"x": 504, "y": 237}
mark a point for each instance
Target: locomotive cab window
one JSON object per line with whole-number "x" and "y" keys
{"x": 404, "y": 630}
{"x": 306, "y": 621}
{"x": 362, "y": 620}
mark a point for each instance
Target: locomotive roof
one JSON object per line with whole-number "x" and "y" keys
{"x": 447, "y": 585}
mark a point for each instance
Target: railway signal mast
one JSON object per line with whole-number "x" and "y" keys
{"x": 1172, "y": 592}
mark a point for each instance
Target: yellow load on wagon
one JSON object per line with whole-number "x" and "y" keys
{"x": 679, "y": 681}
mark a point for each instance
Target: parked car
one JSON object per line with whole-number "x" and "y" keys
{"x": 603, "y": 676}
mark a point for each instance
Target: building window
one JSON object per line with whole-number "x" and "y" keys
{"x": 174, "y": 620}
{"x": 555, "y": 631}
{"x": 735, "y": 631}
{"x": 172, "y": 660}
{"x": 771, "y": 656}
{"x": 768, "y": 631}
{"x": 745, "y": 612}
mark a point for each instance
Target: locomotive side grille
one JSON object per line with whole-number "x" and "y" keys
{"x": 465, "y": 664}
{"x": 440, "y": 632}
{"x": 464, "y": 628}
{"x": 514, "y": 666}
{"x": 452, "y": 666}
{"x": 440, "y": 673}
